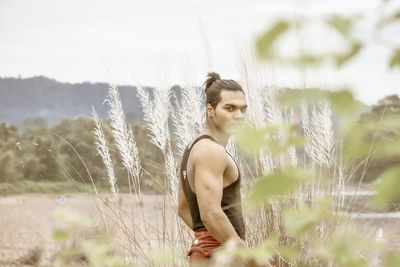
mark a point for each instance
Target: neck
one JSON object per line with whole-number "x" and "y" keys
{"x": 217, "y": 134}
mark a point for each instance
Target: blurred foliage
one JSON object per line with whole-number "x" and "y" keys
{"x": 314, "y": 226}
{"x": 300, "y": 221}
{"x": 345, "y": 248}
{"x": 368, "y": 141}
{"x": 376, "y": 136}
{"x": 345, "y": 25}
{"x": 252, "y": 140}
{"x": 392, "y": 259}
{"x": 78, "y": 247}
{"x": 279, "y": 183}
{"x": 266, "y": 40}
{"x": 372, "y": 135}
{"x": 387, "y": 187}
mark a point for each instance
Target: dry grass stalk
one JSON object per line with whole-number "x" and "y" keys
{"x": 156, "y": 114}
{"x": 125, "y": 140}
{"x": 104, "y": 152}
{"x": 188, "y": 118}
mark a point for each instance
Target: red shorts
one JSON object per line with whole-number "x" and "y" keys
{"x": 203, "y": 244}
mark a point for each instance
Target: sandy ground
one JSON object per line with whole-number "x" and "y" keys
{"x": 26, "y": 223}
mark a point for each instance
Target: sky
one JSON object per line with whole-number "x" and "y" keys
{"x": 162, "y": 43}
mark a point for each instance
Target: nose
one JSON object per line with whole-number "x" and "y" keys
{"x": 239, "y": 116}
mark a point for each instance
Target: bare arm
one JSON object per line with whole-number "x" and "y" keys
{"x": 183, "y": 208}
{"x": 209, "y": 169}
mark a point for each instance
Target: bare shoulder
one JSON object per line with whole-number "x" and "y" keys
{"x": 206, "y": 151}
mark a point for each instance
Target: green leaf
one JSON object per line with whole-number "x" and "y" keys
{"x": 342, "y": 58}
{"x": 251, "y": 139}
{"x": 290, "y": 253}
{"x": 296, "y": 97}
{"x": 344, "y": 249}
{"x": 73, "y": 219}
{"x": 265, "y": 249}
{"x": 325, "y": 207}
{"x": 265, "y": 42}
{"x": 392, "y": 259}
{"x": 279, "y": 183}
{"x": 300, "y": 221}
{"x": 308, "y": 59}
{"x": 60, "y": 235}
{"x": 391, "y": 19}
{"x": 164, "y": 256}
{"x": 355, "y": 146}
{"x": 344, "y": 103}
{"x": 387, "y": 187}
{"x": 340, "y": 24}
{"x": 395, "y": 59}
{"x": 388, "y": 149}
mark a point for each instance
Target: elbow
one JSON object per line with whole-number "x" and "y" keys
{"x": 211, "y": 216}
{"x": 204, "y": 218}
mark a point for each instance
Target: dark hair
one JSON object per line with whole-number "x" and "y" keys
{"x": 214, "y": 85}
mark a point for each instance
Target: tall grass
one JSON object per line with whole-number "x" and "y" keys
{"x": 125, "y": 141}
{"x": 140, "y": 235}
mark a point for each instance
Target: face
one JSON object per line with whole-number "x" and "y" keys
{"x": 230, "y": 111}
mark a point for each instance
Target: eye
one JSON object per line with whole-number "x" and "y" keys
{"x": 244, "y": 110}
{"x": 229, "y": 108}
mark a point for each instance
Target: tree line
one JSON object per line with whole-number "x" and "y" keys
{"x": 66, "y": 151}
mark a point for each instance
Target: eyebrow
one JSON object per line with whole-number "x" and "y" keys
{"x": 235, "y": 106}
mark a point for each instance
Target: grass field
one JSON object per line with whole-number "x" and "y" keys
{"x": 26, "y": 223}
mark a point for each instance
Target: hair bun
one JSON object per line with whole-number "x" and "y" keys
{"x": 211, "y": 78}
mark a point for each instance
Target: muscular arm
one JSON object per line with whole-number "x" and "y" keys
{"x": 183, "y": 208}
{"x": 209, "y": 169}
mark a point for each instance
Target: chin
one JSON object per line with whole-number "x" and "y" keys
{"x": 230, "y": 130}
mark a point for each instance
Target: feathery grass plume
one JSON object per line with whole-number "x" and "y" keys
{"x": 271, "y": 107}
{"x": 232, "y": 149}
{"x": 172, "y": 174}
{"x": 340, "y": 181}
{"x": 281, "y": 116}
{"x": 156, "y": 113}
{"x": 124, "y": 139}
{"x": 292, "y": 156}
{"x": 322, "y": 135}
{"x": 103, "y": 151}
{"x": 253, "y": 86}
{"x": 269, "y": 220}
{"x": 305, "y": 124}
{"x": 265, "y": 162}
{"x": 263, "y": 109}
{"x": 274, "y": 114}
{"x": 189, "y": 116}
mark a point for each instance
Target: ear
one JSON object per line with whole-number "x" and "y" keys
{"x": 209, "y": 110}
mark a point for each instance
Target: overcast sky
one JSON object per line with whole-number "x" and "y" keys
{"x": 167, "y": 42}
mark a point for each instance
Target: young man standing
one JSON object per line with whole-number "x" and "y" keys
{"x": 209, "y": 190}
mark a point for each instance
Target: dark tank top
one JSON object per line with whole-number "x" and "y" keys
{"x": 231, "y": 199}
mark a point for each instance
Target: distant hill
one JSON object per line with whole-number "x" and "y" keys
{"x": 41, "y": 97}
{"x": 37, "y": 98}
